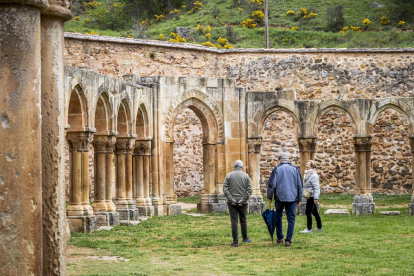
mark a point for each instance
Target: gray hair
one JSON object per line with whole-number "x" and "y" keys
{"x": 238, "y": 163}
{"x": 284, "y": 157}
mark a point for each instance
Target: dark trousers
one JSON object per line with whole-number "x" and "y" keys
{"x": 290, "y": 215}
{"x": 235, "y": 212}
{"x": 311, "y": 209}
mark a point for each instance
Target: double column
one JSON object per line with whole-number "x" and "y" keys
{"x": 141, "y": 181}
{"x": 104, "y": 208}
{"x": 363, "y": 201}
{"x": 125, "y": 204}
{"x": 307, "y": 147}
{"x": 256, "y": 204}
{"x": 80, "y": 213}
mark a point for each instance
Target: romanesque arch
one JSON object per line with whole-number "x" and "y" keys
{"x": 142, "y": 122}
{"x": 77, "y": 109}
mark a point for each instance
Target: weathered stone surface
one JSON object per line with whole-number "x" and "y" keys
{"x": 391, "y": 213}
{"x": 336, "y": 212}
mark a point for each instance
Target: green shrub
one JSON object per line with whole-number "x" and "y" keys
{"x": 335, "y": 18}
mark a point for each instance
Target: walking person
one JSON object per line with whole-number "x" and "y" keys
{"x": 311, "y": 179}
{"x": 237, "y": 188}
{"x": 285, "y": 185}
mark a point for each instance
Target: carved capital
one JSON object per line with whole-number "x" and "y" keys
{"x": 142, "y": 147}
{"x": 362, "y": 144}
{"x": 103, "y": 143}
{"x": 59, "y": 8}
{"x": 124, "y": 145}
{"x": 254, "y": 144}
{"x": 307, "y": 144}
{"x": 79, "y": 141}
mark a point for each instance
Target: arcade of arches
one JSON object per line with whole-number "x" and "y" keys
{"x": 128, "y": 110}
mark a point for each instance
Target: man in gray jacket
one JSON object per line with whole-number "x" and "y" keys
{"x": 237, "y": 189}
{"x": 285, "y": 185}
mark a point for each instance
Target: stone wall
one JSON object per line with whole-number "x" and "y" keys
{"x": 188, "y": 154}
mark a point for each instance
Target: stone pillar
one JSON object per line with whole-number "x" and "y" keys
{"x": 125, "y": 204}
{"x": 211, "y": 200}
{"x": 20, "y": 138}
{"x": 256, "y": 204}
{"x": 307, "y": 147}
{"x": 411, "y": 204}
{"x": 170, "y": 198}
{"x": 103, "y": 145}
{"x": 363, "y": 201}
{"x": 79, "y": 212}
{"x": 110, "y": 179}
{"x": 53, "y": 138}
{"x": 142, "y": 169}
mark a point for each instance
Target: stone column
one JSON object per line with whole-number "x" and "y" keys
{"x": 411, "y": 204}
{"x": 256, "y": 204}
{"x": 103, "y": 145}
{"x": 110, "y": 182}
{"x": 79, "y": 212}
{"x": 170, "y": 198}
{"x": 125, "y": 204}
{"x": 363, "y": 201}
{"x": 142, "y": 169}
{"x": 20, "y": 138}
{"x": 307, "y": 147}
{"x": 53, "y": 138}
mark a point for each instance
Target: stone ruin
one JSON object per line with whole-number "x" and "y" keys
{"x": 108, "y": 115}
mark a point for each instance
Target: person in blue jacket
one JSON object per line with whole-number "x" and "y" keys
{"x": 285, "y": 185}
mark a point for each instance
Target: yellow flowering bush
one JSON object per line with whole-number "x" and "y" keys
{"x": 208, "y": 29}
{"x": 208, "y": 44}
{"x": 208, "y": 35}
{"x": 401, "y": 23}
{"x": 366, "y": 22}
{"x": 290, "y": 13}
{"x": 162, "y": 37}
{"x": 76, "y": 18}
{"x": 344, "y": 29}
{"x": 129, "y": 37}
{"x": 160, "y": 17}
{"x": 176, "y": 38}
{"x": 356, "y": 29}
{"x": 228, "y": 46}
{"x": 199, "y": 28}
{"x": 222, "y": 41}
{"x": 294, "y": 28}
{"x": 258, "y": 15}
{"x": 313, "y": 15}
{"x": 240, "y": 10}
{"x": 249, "y": 23}
{"x": 384, "y": 21}
{"x": 175, "y": 13}
{"x": 145, "y": 24}
{"x": 93, "y": 4}
{"x": 197, "y": 5}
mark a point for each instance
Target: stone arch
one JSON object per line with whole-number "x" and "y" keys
{"x": 205, "y": 108}
{"x": 123, "y": 119}
{"x": 281, "y": 105}
{"x": 102, "y": 114}
{"x": 400, "y": 106}
{"x": 329, "y": 105}
{"x": 77, "y": 109}
{"x": 142, "y": 122}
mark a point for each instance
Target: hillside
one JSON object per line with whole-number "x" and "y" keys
{"x": 292, "y": 24}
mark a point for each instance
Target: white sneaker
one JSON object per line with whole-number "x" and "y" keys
{"x": 319, "y": 229}
{"x": 307, "y": 231}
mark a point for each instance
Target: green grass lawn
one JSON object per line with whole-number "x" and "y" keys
{"x": 186, "y": 245}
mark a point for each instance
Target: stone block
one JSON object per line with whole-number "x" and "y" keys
{"x": 391, "y": 213}
{"x": 411, "y": 209}
{"x": 128, "y": 214}
{"x": 158, "y": 210}
{"x": 172, "y": 209}
{"x": 147, "y": 211}
{"x": 82, "y": 224}
{"x": 337, "y": 212}
{"x": 363, "y": 208}
{"x": 212, "y": 208}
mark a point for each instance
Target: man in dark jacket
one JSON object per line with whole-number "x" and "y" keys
{"x": 237, "y": 188}
{"x": 285, "y": 184}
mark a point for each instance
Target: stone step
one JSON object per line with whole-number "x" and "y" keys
{"x": 107, "y": 228}
{"x": 337, "y": 212}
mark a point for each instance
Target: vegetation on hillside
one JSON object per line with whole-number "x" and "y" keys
{"x": 240, "y": 23}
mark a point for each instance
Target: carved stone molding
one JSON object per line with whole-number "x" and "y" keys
{"x": 79, "y": 141}
{"x": 254, "y": 144}
{"x": 307, "y": 144}
{"x": 362, "y": 144}
{"x": 124, "y": 145}
{"x": 142, "y": 147}
{"x": 103, "y": 143}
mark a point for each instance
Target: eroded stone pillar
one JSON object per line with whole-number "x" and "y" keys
{"x": 256, "y": 204}
{"x": 20, "y": 138}
{"x": 102, "y": 207}
{"x": 110, "y": 176}
{"x": 363, "y": 201}
{"x": 142, "y": 177}
{"x": 79, "y": 212}
{"x": 307, "y": 147}
{"x": 411, "y": 204}
{"x": 125, "y": 204}
{"x": 170, "y": 198}
{"x": 53, "y": 138}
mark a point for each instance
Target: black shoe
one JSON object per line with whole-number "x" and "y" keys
{"x": 279, "y": 241}
{"x": 247, "y": 240}
{"x": 234, "y": 244}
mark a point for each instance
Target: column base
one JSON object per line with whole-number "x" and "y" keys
{"x": 147, "y": 211}
{"x": 158, "y": 210}
{"x": 107, "y": 218}
{"x": 83, "y": 224}
{"x": 212, "y": 203}
{"x": 363, "y": 205}
{"x": 411, "y": 209}
{"x": 128, "y": 214}
{"x": 256, "y": 204}
{"x": 172, "y": 209}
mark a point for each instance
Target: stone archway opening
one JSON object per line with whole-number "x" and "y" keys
{"x": 335, "y": 154}
{"x": 391, "y": 158}
{"x": 188, "y": 155}
{"x": 279, "y": 134}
